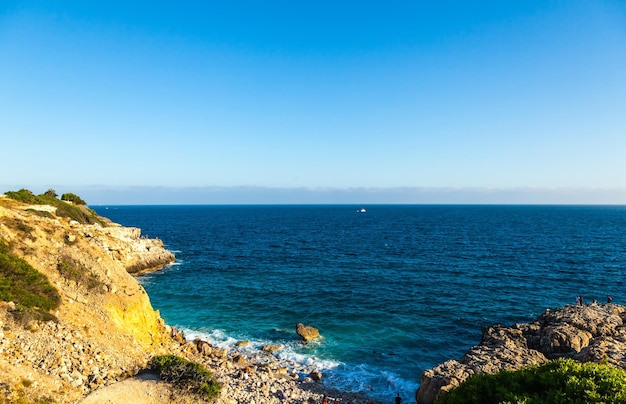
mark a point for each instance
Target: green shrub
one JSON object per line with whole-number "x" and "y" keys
{"x": 558, "y": 381}
{"x": 28, "y": 288}
{"x": 78, "y": 273}
{"x": 23, "y": 315}
{"x": 23, "y": 195}
{"x": 187, "y": 375}
{"x": 42, "y": 213}
{"x": 51, "y": 192}
{"x": 80, "y": 213}
{"x": 70, "y": 197}
{"x": 77, "y": 210}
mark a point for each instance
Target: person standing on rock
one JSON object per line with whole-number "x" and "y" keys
{"x": 609, "y": 299}
{"x": 398, "y": 399}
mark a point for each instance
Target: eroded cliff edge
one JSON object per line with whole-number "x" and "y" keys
{"x": 105, "y": 327}
{"x": 589, "y": 333}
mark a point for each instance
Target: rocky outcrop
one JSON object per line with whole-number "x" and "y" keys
{"x": 585, "y": 333}
{"x": 125, "y": 244}
{"x": 307, "y": 332}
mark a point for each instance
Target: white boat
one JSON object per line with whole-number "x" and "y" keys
{"x": 362, "y": 210}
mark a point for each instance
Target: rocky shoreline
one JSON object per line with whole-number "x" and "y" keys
{"x": 586, "y": 333}
{"x": 105, "y": 331}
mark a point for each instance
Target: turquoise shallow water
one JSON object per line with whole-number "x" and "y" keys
{"x": 394, "y": 291}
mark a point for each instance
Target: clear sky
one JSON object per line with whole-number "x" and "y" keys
{"x": 315, "y": 101}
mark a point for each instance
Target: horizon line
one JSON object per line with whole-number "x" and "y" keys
{"x": 99, "y": 195}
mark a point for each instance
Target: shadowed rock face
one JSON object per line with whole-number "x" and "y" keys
{"x": 584, "y": 333}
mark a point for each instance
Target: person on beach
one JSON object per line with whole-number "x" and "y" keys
{"x": 324, "y": 400}
{"x": 579, "y": 300}
{"x": 398, "y": 399}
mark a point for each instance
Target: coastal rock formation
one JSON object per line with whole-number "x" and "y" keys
{"x": 105, "y": 330}
{"x": 125, "y": 244}
{"x": 307, "y": 332}
{"x": 105, "y": 327}
{"x": 585, "y": 333}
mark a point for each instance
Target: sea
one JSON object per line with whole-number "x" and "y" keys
{"x": 393, "y": 289}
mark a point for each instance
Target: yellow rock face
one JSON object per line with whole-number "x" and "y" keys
{"x": 104, "y": 332}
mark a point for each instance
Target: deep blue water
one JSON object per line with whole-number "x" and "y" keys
{"x": 393, "y": 291}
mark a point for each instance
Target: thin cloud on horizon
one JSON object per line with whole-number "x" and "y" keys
{"x": 146, "y": 195}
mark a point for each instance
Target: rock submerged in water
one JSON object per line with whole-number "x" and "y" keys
{"x": 591, "y": 333}
{"x": 315, "y": 375}
{"x": 307, "y": 332}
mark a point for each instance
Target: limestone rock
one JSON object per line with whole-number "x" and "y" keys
{"x": 585, "y": 333}
{"x": 271, "y": 348}
{"x": 240, "y": 360}
{"x": 307, "y": 332}
{"x": 203, "y": 347}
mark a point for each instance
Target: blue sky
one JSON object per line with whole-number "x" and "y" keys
{"x": 322, "y": 102}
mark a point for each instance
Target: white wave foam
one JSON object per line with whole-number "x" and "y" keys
{"x": 374, "y": 382}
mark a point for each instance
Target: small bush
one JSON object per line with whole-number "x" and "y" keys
{"x": 42, "y": 213}
{"x": 78, "y": 273}
{"x": 188, "y": 375}
{"x": 24, "y": 315}
{"x": 558, "y": 381}
{"x": 52, "y": 193}
{"x": 73, "y": 198}
{"x": 23, "y": 195}
{"x": 45, "y": 400}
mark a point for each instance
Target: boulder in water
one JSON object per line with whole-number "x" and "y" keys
{"x": 307, "y": 332}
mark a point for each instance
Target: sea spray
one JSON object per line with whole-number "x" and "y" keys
{"x": 300, "y": 358}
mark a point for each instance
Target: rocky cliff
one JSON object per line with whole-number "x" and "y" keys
{"x": 105, "y": 330}
{"x": 104, "y": 327}
{"x": 586, "y": 333}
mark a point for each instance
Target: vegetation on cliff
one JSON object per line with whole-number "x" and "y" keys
{"x": 70, "y": 205}
{"x": 558, "y": 381}
{"x": 24, "y": 285}
{"x": 188, "y": 375}
{"x": 78, "y": 273}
